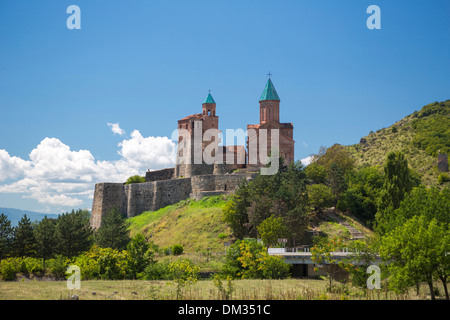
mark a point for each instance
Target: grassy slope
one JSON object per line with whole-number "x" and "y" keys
{"x": 197, "y": 225}
{"x": 373, "y": 148}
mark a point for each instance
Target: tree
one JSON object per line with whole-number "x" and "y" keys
{"x": 337, "y": 154}
{"x": 140, "y": 255}
{"x": 322, "y": 252}
{"x": 421, "y": 201}
{"x": 6, "y": 236}
{"x": 248, "y": 259}
{"x": 416, "y": 251}
{"x": 24, "y": 241}
{"x": 316, "y": 173}
{"x": 282, "y": 195}
{"x": 73, "y": 233}
{"x": 271, "y": 229}
{"x": 397, "y": 183}
{"x": 235, "y": 211}
{"x": 336, "y": 180}
{"x": 113, "y": 232}
{"x": 320, "y": 196}
{"x": 184, "y": 273}
{"x": 44, "y": 233}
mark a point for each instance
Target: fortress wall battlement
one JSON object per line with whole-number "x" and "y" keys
{"x": 133, "y": 199}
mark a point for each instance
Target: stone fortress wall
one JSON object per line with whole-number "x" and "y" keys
{"x": 133, "y": 199}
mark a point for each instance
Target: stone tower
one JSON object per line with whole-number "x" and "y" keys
{"x": 189, "y": 160}
{"x": 269, "y": 118}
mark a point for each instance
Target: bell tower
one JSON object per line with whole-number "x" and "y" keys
{"x": 269, "y": 104}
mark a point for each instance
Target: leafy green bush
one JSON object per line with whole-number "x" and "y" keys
{"x": 104, "y": 263}
{"x": 156, "y": 271}
{"x": 177, "y": 249}
{"x": 57, "y": 267}
{"x": 248, "y": 259}
{"x": 135, "y": 179}
{"x": 443, "y": 178}
{"x": 9, "y": 268}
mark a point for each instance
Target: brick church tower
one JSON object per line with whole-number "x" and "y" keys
{"x": 269, "y": 118}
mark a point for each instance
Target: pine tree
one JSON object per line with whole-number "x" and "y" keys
{"x": 398, "y": 181}
{"x": 24, "y": 241}
{"x": 113, "y": 232}
{"x": 73, "y": 233}
{"x": 44, "y": 234}
{"x": 6, "y": 236}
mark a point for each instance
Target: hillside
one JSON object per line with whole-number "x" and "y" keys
{"x": 419, "y": 136}
{"x": 197, "y": 225}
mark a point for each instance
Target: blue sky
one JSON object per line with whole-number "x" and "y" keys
{"x": 145, "y": 64}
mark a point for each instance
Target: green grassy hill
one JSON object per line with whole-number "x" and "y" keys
{"x": 419, "y": 136}
{"x": 197, "y": 225}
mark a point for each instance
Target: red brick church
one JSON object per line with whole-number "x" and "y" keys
{"x": 269, "y": 115}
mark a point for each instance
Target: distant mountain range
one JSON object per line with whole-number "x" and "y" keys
{"x": 14, "y": 215}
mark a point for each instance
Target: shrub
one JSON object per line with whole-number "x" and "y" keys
{"x": 135, "y": 179}
{"x": 443, "y": 178}
{"x": 57, "y": 267}
{"x": 177, "y": 249}
{"x": 9, "y": 268}
{"x": 156, "y": 271}
{"x": 248, "y": 259}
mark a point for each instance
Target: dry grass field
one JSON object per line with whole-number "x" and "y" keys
{"x": 288, "y": 289}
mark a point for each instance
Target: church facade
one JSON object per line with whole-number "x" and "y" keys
{"x": 199, "y": 136}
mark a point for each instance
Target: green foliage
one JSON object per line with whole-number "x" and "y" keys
{"x": 135, "y": 179}
{"x": 113, "y": 232}
{"x": 431, "y": 203}
{"x": 271, "y": 229}
{"x": 104, "y": 263}
{"x": 73, "y": 233}
{"x": 227, "y": 292}
{"x": 316, "y": 173}
{"x": 338, "y": 155}
{"x": 140, "y": 255}
{"x": 282, "y": 194}
{"x": 417, "y": 251}
{"x": 398, "y": 182}
{"x": 44, "y": 233}
{"x": 177, "y": 249}
{"x": 6, "y": 236}
{"x": 432, "y": 128}
{"x": 248, "y": 259}
{"x": 443, "y": 178}
{"x": 320, "y": 196}
{"x": 183, "y": 273}
{"x": 24, "y": 241}
{"x": 9, "y": 268}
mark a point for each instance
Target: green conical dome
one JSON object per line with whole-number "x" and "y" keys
{"x": 269, "y": 92}
{"x": 209, "y": 99}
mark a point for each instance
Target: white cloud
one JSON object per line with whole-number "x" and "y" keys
{"x": 307, "y": 160}
{"x": 11, "y": 167}
{"x": 116, "y": 129}
{"x": 57, "y": 176}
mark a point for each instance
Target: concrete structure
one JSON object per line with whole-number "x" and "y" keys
{"x": 303, "y": 266}
{"x": 194, "y": 175}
